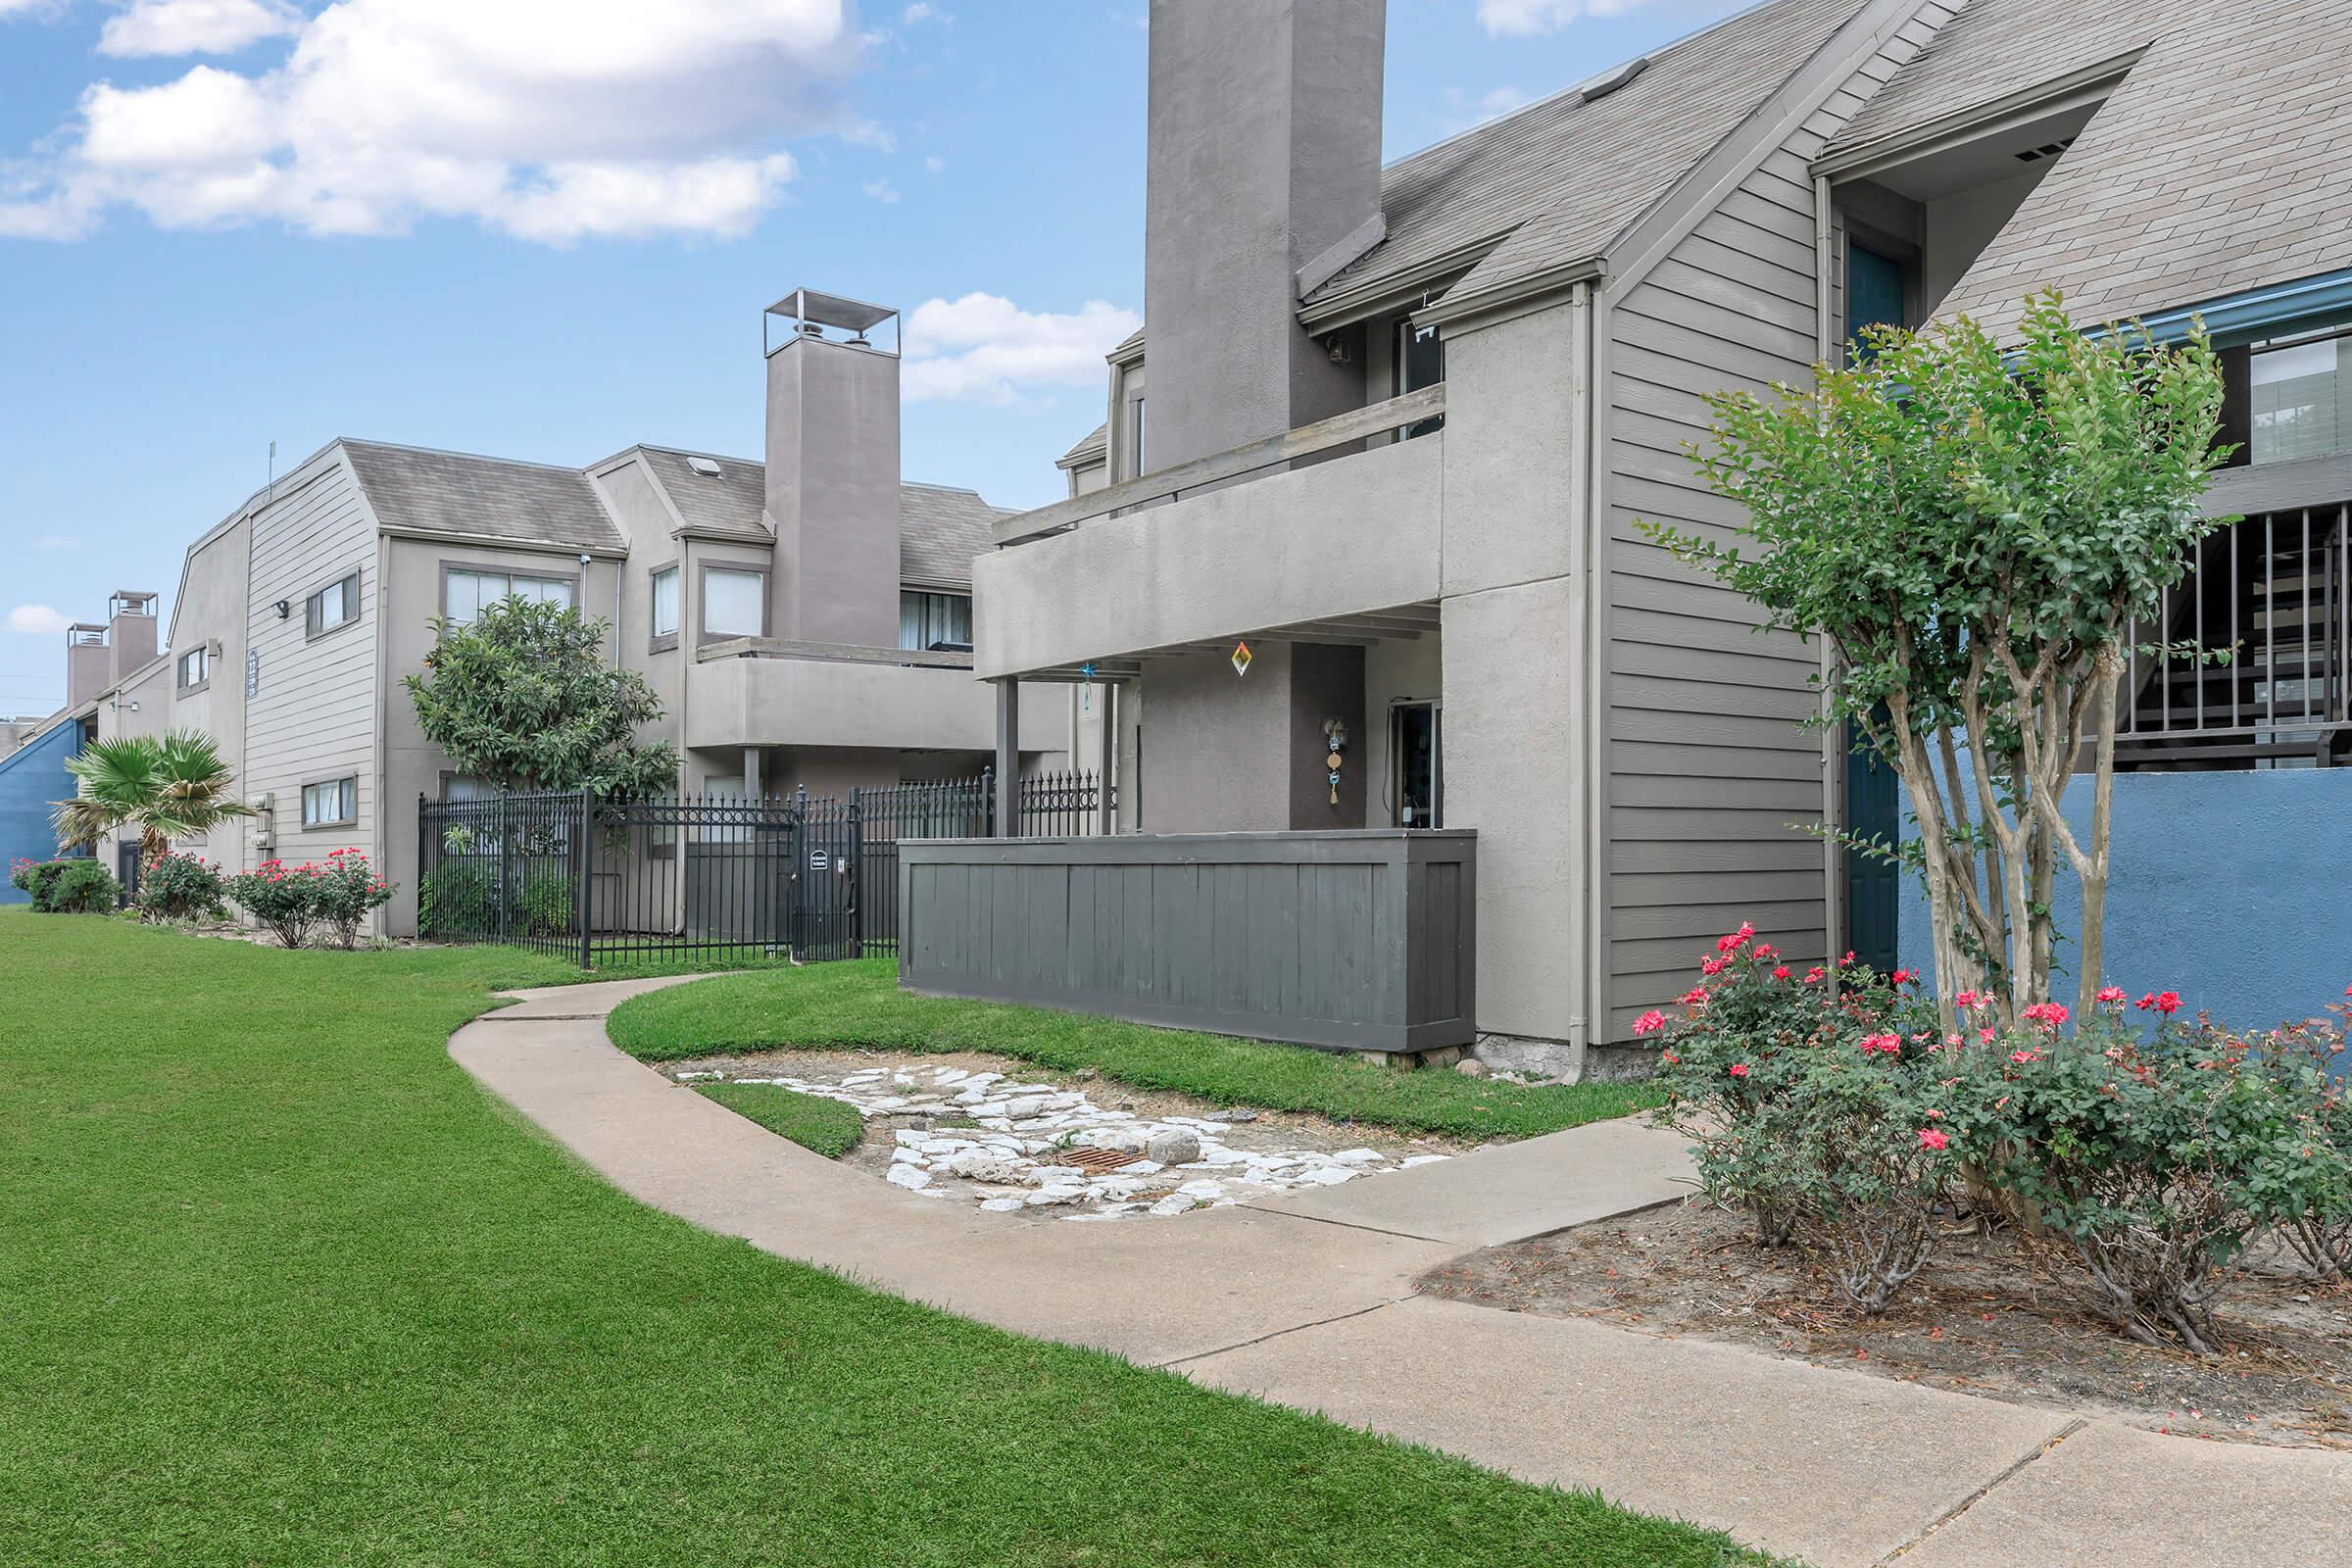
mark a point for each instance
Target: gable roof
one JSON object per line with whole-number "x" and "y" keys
{"x": 2221, "y": 163}
{"x": 1996, "y": 47}
{"x": 1090, "y": 447}
{"x": 731, "y": 504}
{"x": 940, "y": 527}
{"x": 1560, "y": 179}
{"x": 414, "y": 488}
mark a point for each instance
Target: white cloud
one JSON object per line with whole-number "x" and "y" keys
{"x": 935, "y": 165}
{"x": 984, "y": 349}
{"x": 882, "y": 190}
{"x": 38, "y": 621}
{"x": 53, "y": 541}
{"x": 196, "y": 27}
{"x": 1519, "y": 18}
{"x": 914, "y": 16}
{"x": 552, "y": 120}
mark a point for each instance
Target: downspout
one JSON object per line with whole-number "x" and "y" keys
{"x": 1588, "y": 1026}
{"x": 1833, "y": 801}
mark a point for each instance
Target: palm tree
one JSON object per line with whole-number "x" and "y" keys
{"x": 167, "y": 789}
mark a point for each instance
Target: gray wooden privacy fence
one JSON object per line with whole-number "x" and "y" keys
{"x": 1358, "y": 941}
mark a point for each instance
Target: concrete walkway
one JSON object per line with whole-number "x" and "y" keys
{"x": 1308, "y": 1300}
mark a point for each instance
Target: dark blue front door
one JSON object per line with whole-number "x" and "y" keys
{"x": 1873, "y": 808}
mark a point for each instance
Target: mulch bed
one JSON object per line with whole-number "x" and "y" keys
{"x": 1982, "y": 1318}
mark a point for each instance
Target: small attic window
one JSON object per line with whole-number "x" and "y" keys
{"x": 1608, "y": 81}
{"x": 707, "y": 467}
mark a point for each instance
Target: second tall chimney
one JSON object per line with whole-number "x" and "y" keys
{"x": 833, "y": 471}
{"x": 1264, "y": 153}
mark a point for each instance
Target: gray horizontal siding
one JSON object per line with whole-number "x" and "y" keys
{"x": 1712, "y": 772}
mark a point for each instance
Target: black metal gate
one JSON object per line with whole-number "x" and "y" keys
{"x": 611, "y": 881}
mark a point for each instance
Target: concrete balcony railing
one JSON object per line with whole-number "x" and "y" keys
{"x": 1221, "y": 547}
{"x": 764, "y": 691}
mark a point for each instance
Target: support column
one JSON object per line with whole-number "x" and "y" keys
{"x": 1008, "y": 758}
{"x": 1107, "y": 756}
{"x": 753, "y": 791}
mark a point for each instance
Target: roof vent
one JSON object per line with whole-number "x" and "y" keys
{"x": 1608, "y": 81}
{"x": 2034, "y": 154}
{"x": 707, "y": 467}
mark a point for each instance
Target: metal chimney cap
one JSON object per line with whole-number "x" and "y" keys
{"x": 831, "y": 310}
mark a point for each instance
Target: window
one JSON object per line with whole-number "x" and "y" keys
{"x": 734, "y": 602}
{"x": 1135, "y": 436}
{"x": 666, "y": 602}
{"x": 1420, "y": 363}
{"x": 330, "y": 803}
{"x": 467, "y": 591}
{"x": 1417, "y": 774}
{"x": 195, "y": 669}
{"x": 335, "y": 604}
{"x": 935, "y": 623}
{"x": 2300, "y": 408}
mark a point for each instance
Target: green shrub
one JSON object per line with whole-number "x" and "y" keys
{"x": 460, "y": 899}
{"x": 278, "y": 898}
{"x": 181, "y": 887}
{"x": 81, "y": 886}
{"x": 34, "y": 879}
{"x": 344, "y": 892}
{"x": 2155, "y": 1160}
{"x": 1813, "y": 1101}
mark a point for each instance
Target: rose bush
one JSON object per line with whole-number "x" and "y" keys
{"x": 289, "y": 901}
{"x": 1808, "y": 1099}
{"x": 2143, "y": 1150}
{"x": 181, "y": 887}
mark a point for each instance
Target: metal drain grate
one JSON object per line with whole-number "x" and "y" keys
{"x": 1097, "y": 1160}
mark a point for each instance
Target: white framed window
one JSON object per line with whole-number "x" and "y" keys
{"x": 734, "y": 602}
{"x": 1420, "y": 363}
{"x": 334, "y": 605}
{"x": 330, "y": 803}
{"x": 665, "y": 602}
{"x": 934, "y": 622}
{"x": 195, "y": 669}
{"x": 467, "y": 591}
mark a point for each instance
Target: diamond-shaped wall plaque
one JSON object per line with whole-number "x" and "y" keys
{"x": 1241, "y": 659}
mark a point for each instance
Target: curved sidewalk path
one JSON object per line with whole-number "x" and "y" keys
{"x": 1309, "y": 1302}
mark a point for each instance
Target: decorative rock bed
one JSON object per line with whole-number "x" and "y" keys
{"x": 980, "y": 1136}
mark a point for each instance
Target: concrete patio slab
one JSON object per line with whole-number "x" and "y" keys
{"x": 2118, "y": 1497}
{"x": 1834, "y": 1468}
{"x": 1515, "y": 1191}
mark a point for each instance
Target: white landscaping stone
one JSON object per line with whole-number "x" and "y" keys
{"x": 906, "y": 1156}
{"x": 1358, "y": 1156}
{"x": 1422, "y": 1159}
{"x": 1175, "y": 1203}
{"x": 1173, "y": 1147}
{"x": 1331, "y": 1175}
{"x": 1046, "y": 1195}
{"x": 909, "y": 1176}
{"x": 1003, "y": 1206}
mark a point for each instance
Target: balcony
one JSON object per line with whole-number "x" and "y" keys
{"x": 766, "y": 691}
{"x": 1251, "y": 542}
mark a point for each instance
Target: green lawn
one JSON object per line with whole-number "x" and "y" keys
{"x": 839, "y": 1006}
{"x": 812, "y": 1121}
{"x": 280, "y": 1284}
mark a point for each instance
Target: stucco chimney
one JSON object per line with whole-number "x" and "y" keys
{"x": 1263, "y": 155}
{"x": 130, "y": 632}
{"x": 833, "y": 470}
{"x": 89, "y": 663}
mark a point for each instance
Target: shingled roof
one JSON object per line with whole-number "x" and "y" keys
{"x": 415, "y": 488}
{"x": 730, "y": 503}
{"x": 2221, "y": 163}
{"x": 1563, "y": 177}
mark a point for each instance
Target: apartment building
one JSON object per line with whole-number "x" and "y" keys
{"x": 1403, "y": 424}
{"x": 805, "y": 620}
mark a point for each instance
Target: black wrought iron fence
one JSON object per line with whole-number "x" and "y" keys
{"x": 604, "y": 882}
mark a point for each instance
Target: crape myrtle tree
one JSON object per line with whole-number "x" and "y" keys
{"x": 523, "y": 698}
{"x": 1976, "y": 533}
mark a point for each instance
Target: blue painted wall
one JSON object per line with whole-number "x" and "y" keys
{"x": 2232, "y": 889}
{"x": 31, "y": 777}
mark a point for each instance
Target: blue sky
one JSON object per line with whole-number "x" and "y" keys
{"x": 545, "y": 228}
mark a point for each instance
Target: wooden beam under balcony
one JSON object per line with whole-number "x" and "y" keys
{"x": 1306, "y": 441}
